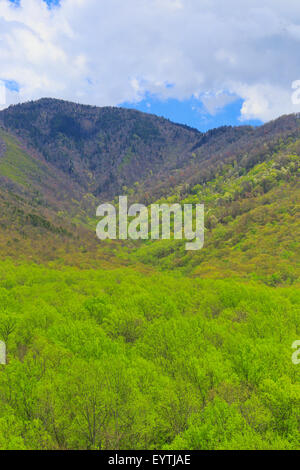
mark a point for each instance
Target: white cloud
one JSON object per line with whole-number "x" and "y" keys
{"x": 105, "y": 52}
{"x": 213, "y": 102}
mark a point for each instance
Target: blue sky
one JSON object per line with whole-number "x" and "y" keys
{"x": 192, "y": 113}
{"x": 49, "y": 2}
{"x": 201, "y": 63}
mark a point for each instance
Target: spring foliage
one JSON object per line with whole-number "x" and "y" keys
{"x": 123, "y": 360}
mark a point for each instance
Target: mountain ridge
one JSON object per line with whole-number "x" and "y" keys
{"x": 157, "y": 347}
{"x": 104, "y": 149}
{"x": 235, "y": 171}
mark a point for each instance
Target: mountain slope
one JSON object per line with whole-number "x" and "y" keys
{"x": 246, "y": 177}
{"x": 102, "y": 149}
{"x": 142, "y": 345}
{"x": 252, "y": 223}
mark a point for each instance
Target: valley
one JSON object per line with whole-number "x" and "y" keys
{"x": 140, "y": 344}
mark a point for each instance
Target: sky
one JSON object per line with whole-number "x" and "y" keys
{"x": 203, "y": 63}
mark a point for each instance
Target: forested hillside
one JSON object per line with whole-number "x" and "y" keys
{"x": 141, "y": 344}
{"x": 102, "y": 149}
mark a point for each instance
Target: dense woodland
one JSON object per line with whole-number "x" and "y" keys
{"x": 142, "y": 345}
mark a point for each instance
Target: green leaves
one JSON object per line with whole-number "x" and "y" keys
{"x": 123, "y": 360}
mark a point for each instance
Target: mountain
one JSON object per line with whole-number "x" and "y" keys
{"x": 123, "y": 345}
{"x": 59, "y": 160}
{"x": 102, "y": 149}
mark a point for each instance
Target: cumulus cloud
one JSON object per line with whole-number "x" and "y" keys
{"x": 106, "y": 52}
